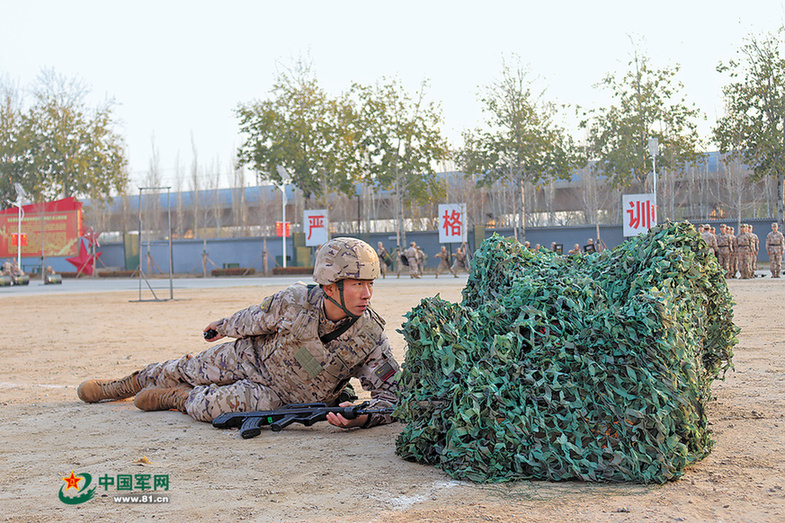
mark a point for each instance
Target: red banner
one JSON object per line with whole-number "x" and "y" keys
{"x": 54, "y": 227}
{"x": 279, "y": 229}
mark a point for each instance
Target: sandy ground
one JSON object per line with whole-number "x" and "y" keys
{"x": 52, "y": 343}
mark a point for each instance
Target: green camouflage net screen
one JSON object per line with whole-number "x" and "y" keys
{"x": 593, "y": 367}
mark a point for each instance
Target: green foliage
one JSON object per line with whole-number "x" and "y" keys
{"x": 60, "y": 146}
{"x": 304, "y": 130}
{"x": 592, "y": 367}
{"x": 521, "y": 141}
{"x": 753, "y": 128}
{"x": 401, "y": 140}
{"x": 647, "y": 105}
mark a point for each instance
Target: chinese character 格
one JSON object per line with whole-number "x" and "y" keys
{"x": 452, "y": 223}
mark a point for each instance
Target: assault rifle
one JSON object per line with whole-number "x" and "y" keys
{"x": 251, "y": 423}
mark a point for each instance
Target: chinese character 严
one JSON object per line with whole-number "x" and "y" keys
{"x": 315, "y": 222}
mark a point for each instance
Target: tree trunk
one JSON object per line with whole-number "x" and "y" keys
{"x": 780, "y": 188}
{"x": 523, "y": 210}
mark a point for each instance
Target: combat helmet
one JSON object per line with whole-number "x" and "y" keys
{"x": 345, "y": 258}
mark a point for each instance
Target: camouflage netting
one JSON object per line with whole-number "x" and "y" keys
{"x": 594, "y": 367}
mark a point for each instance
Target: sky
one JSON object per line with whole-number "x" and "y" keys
{"x": 177, "y": 70}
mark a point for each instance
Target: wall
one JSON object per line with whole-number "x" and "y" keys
{"x": 187, "y": 254}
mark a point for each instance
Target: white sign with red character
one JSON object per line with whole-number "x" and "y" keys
{"x": 640, "y": 213}
{"x": 452, "y": 223}
{"x": 316, "y": 227}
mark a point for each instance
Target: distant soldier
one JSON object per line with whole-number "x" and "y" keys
{"x": 411, "y": 260}
{"x": 709, "y": 238}
{"x": 385, "y": 260}
{"x": 723, "y": 249}
{"x": 444, "y": 262}
{"x": 734, "y": 251}
{"x": 402, "y": 261}
{"x": 755, "y": 248}
{"x": 775, "y": 247}
{"x": 7, "y": 268}
{"x": 420, "y": 260}
{"x": 460, "y": 261}
{"x": 743, "y": 256}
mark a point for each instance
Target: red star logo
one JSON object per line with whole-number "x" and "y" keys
{"x": 72, "y": 481}
{"x": 83, "y": 262}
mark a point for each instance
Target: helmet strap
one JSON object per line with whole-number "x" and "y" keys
{"x": 341, "y": 305}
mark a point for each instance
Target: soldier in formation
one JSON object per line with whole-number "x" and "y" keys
{"x": 744, "y": 253}
{"x": 724, "y": 249}
{"x": 734, "y": 252}
{"x": 775, "y": 246}
{"x": 708, "y": 237}
{"x": 444, "y": 262}
{"x": 301, "y": 345}
{"x": 755, "y": 248}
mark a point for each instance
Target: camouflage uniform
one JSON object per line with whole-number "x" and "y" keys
{"x": 709, "y": 238}
{"x": 444, "y": 262}
{"x": 420, "y": 260}
{"x": 743, "y": 254}
{"x": 775, "y": 247}
{"x": 734, "y": 252}
{"x": 411, "y": 258}
{"x": 723, "y": 250}
{"x": 278, "y": 359}
{"x": 383, "y": 257}
{"x": 460, "y": 261}
{"x": 755, "y": 249}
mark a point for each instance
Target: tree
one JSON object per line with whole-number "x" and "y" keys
{"x": 753, "y": 128}
{"x": 15, "y": 158}
{"x": 303, "y": 130}
{"x": 647, "y": 106}
{"x": 74, "y": 148}
{"x": 521, "y": 143}
{"x": 400, "y": 144}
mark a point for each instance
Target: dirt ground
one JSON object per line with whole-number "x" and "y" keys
{"x": 52, "y": 343}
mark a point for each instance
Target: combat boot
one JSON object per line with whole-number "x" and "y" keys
{"x": 96, "y": 390}
{"x": 163, "y": 399}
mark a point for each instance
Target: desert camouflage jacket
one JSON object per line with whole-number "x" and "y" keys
{"x": 285, "y": 331}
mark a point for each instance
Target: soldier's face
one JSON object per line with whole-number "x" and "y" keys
{"x": 356, "y": 294}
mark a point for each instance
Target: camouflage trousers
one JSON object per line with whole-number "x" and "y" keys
{"x": 443, "y": 266}
{"x": 724, "y": 259}
{"x": 745, "y": 264}
{"x": 224, "y": 379}
{"x": 776, "y": 264}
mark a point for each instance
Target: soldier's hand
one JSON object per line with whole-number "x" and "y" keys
{"x": 214, "y": 328}
{"x": 340, "y": 421}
